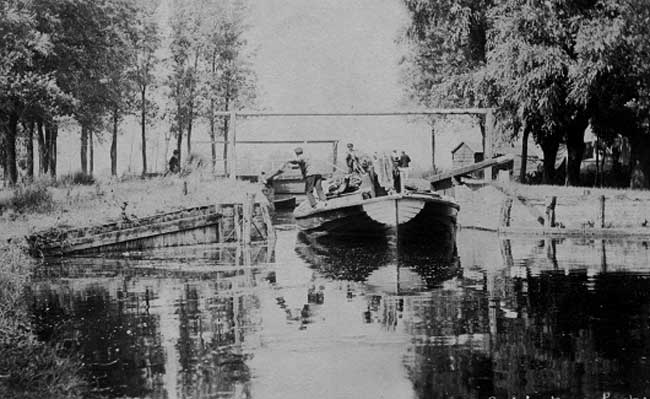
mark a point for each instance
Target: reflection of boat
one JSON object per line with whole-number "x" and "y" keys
{"x": 377, "y": 260}
{"x": 286, "y": 203}
{"x": 410, "y": 215}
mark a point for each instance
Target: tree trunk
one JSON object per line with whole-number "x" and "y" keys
{"x": 225, "y": 137}
{"x": 43, "y": 161}
{"x": 114, "y": 143}
{"x": 143, "y": 127}
{"x": 433, "y": 146}
{"x": 30, "y": 151}
{"x": 225, "y": 145}
{"x": 3, "y": 158}
{"x": 213, "y": 137}
{"x": 84, "y": 149}
{"x": 51, "y": 132}
{"x": 575, "y": 148}
{"x": 190, "y": 104}
{"x": 10, "y": 148}
{"x": 179, "y": 137}
{"x": 190, "y": 116}
{"x": 91, "y": 153}
{"x": 524, "y": 156}
{"x": 550, "y": 147}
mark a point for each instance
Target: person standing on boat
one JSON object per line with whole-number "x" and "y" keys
{"x": 352, "y": 160}
{"x": 404, "y": 162}
{"x": 397, "y": 182}
{"x": 312, "y": 180}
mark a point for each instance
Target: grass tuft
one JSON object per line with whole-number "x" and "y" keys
{"x": 76, "y": 179}
{"x": 34, "y": 198}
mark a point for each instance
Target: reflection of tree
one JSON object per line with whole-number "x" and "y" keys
{"x": 108, "y": 321}
{"x": 556, "y": 334}
{"x": 189, "y": 343}
{"x": 117, "y": 338}
{"x": 214, "y": 318}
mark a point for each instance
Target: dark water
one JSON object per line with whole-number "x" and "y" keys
{"x": 481, "y": 317}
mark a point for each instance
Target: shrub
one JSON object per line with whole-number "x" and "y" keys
{"x": 29, "y": 368}
{"x": 31, "y": 198}
{"x": 77, "y": 178}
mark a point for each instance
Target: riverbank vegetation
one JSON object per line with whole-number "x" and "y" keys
{"x": 550, "y": 68}
{"x": 25, "y": 210}
{"x": 29, "y": 368}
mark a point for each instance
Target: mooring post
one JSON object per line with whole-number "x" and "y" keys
{"x": 506, "y": 208}
{"x": 602, "y": 211}
{"x": 551, "y": 202}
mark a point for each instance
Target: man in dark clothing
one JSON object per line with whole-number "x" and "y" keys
{"x": 638, "y": 178}
{"x": 174, "y": 165}
{"x": 397, "y": 181}
{"x": 312, "y": 180}
{"x": 404, "y": 160}
{"x": 352, "y": 160}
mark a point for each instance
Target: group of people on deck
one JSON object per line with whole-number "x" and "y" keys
{"x": 386, "y": 174}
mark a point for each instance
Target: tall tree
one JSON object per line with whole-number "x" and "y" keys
{"x": 612, "y": 77}
{"x": 23, "y": 85}
{"x": 179, "y": 79}
{"x": 541, "y": 66}
{"x": 146, "y": 43}
{"x": 229, "y": 81}
{"x": 448, "y": 41}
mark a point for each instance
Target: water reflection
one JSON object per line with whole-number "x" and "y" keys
{"x": 486, "y": 316}
{"x": 161, "y": 324}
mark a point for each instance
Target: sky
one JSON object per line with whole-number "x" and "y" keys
{"x": 312, "y": 56}
{"x": 329, "y": 55}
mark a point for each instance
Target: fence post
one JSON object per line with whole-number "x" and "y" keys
{"x": 602, "y": 211}
{"x": 506, "y": 208}
{"x": 550, "y": 211}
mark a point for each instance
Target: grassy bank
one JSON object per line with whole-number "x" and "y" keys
{"x": 577, "y": 207}
{"x": 87, "y": 205}
{"x": 29, "y": 368}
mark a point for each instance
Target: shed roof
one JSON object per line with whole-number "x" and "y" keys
{"x": 474, "y": 146}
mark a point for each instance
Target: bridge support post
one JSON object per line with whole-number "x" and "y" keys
{"x": 488, "y": 139}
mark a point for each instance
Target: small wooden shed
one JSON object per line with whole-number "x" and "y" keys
{"x": 466, "y": 153}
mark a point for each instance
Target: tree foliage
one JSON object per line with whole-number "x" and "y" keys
{"x": 549, "y": 67}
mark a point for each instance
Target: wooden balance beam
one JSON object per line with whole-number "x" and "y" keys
{"x": 442, "y": 181}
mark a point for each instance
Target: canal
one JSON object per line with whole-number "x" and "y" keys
{"x": 482, "y": 317}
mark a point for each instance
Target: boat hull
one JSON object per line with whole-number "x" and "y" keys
{"x": 407, "y": 216}
{"x": 284, "y": 204}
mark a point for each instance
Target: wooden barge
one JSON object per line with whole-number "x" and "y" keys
{"x": 410, "y": 216}
{"x": 192, "y": 226}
